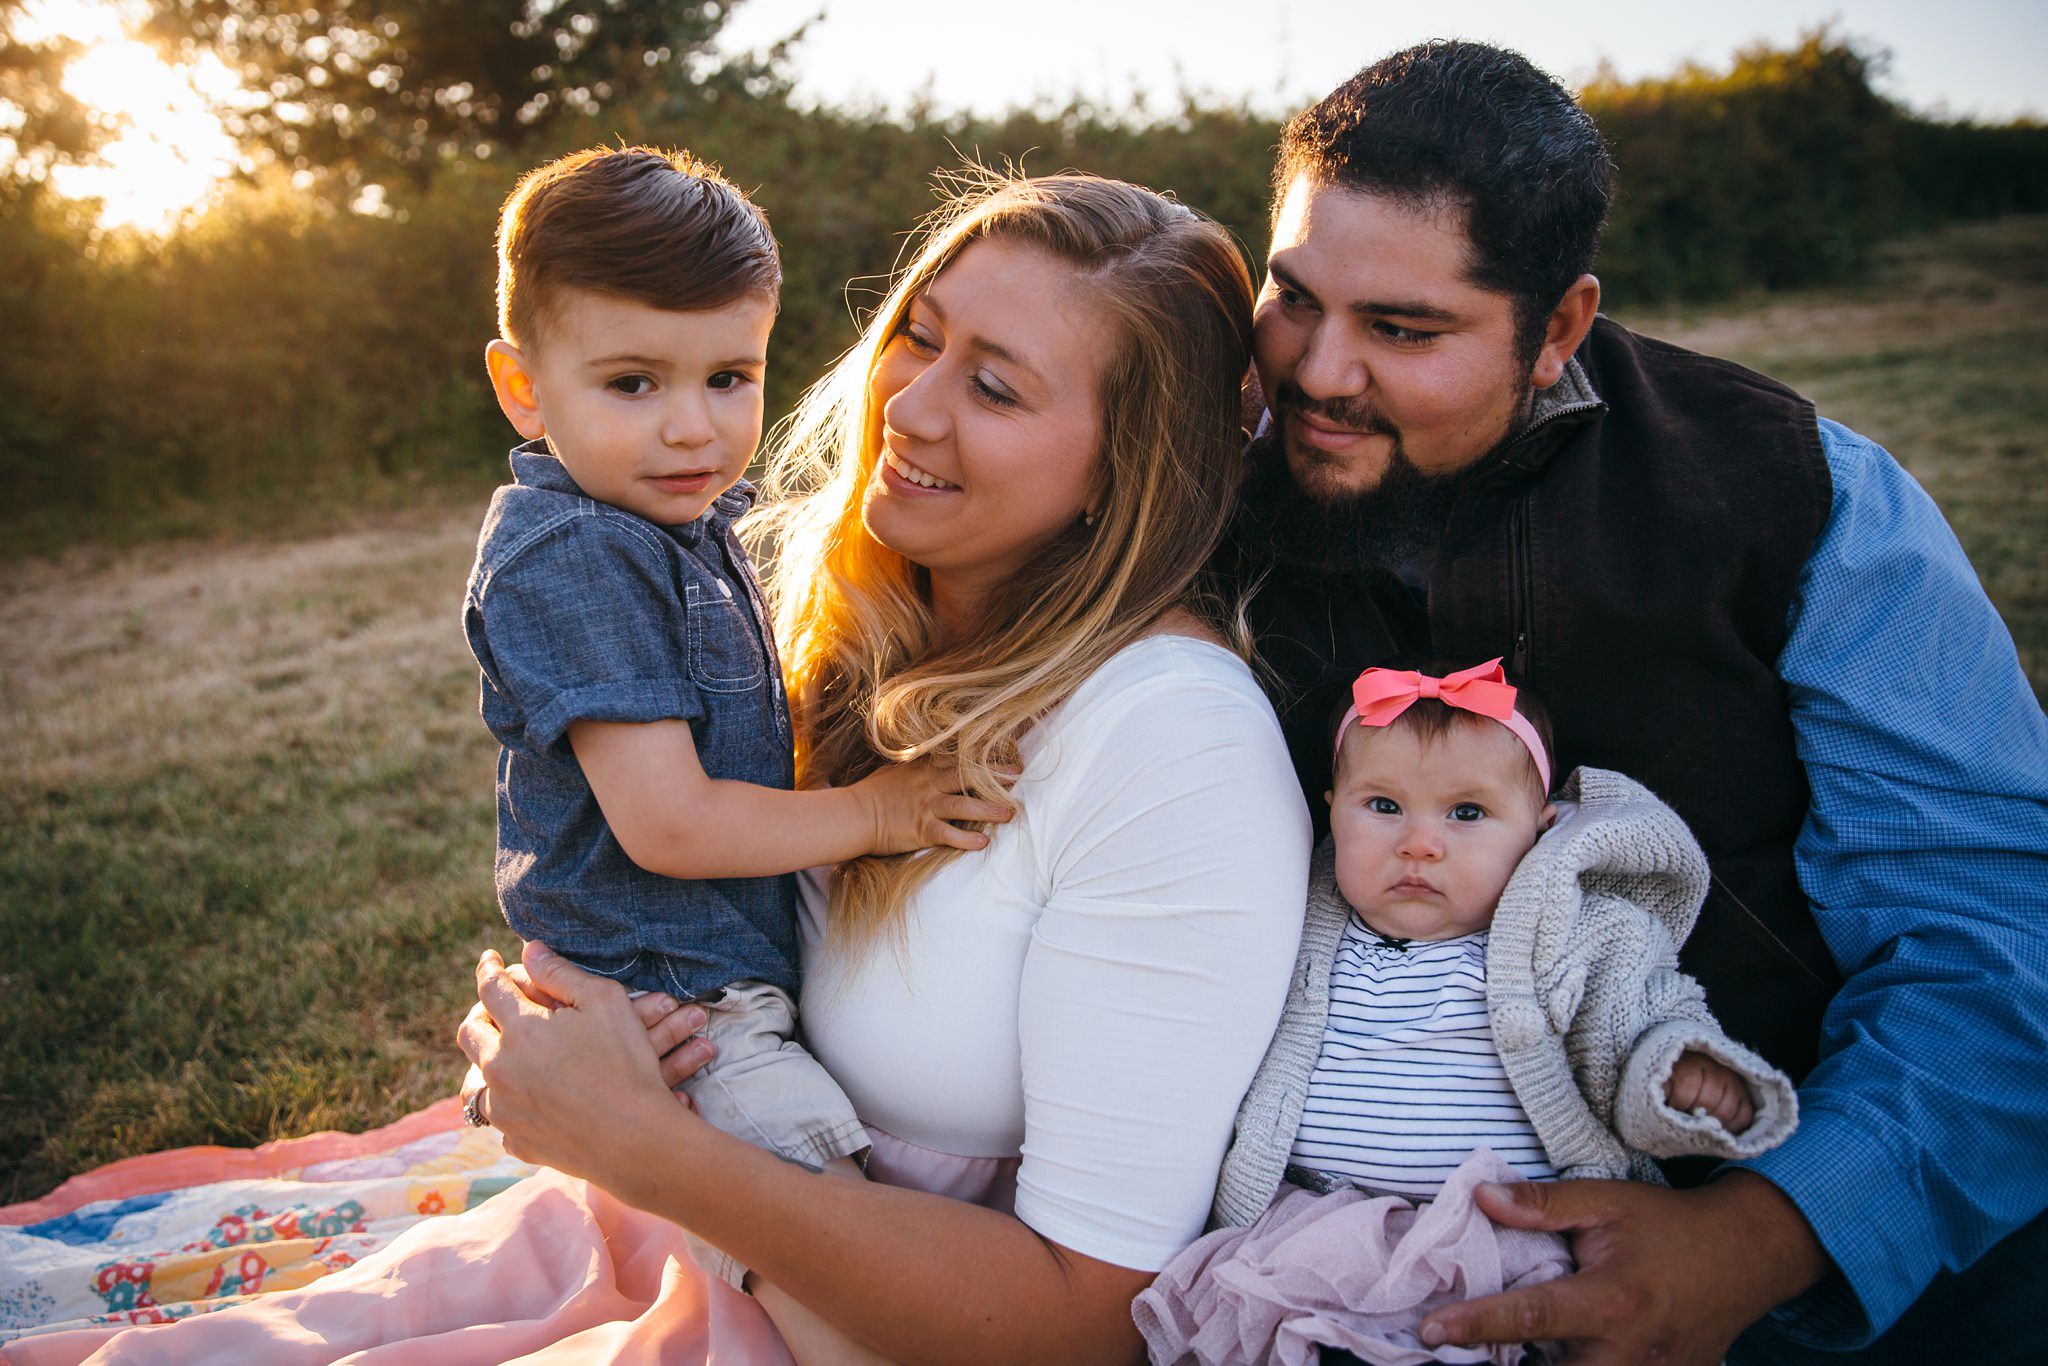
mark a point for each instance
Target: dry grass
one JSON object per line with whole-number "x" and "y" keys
{"x": 246, "y": 800}
{"x": 247, "y": 851}
{"x": 1943, "y": 358}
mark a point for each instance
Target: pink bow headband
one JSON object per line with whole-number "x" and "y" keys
{"x": 1380, "y": 695}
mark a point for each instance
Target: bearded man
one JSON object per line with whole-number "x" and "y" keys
{"x": 1752, "y": 610}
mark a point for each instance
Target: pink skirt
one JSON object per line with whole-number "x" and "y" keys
{"x": 1346, "y": 1270}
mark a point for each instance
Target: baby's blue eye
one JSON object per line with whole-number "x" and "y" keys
{"x": 1468, "y": 811}
{"x": 1383, "y": 806}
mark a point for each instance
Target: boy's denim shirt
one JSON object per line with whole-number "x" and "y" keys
{"x": 580, "y": 611}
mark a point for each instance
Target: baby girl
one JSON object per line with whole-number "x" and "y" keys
{"x": 1488, "y": 990}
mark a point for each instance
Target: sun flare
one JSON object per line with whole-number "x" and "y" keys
{"x": 168, "y": 150}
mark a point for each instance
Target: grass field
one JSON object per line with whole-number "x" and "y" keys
{"x": 245, "y": 798}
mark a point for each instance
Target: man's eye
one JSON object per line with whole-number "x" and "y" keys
{"x": 1383, "y": 806}
{"x": 632, "y": 385}
{"x": 1468, "y": 811}
{"x": 1404, "y": 336}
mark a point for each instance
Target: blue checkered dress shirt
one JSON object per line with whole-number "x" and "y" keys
{"x": 1923, "y": 1133}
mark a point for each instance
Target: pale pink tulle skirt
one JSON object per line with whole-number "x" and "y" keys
{"x": 1346, "y": 1270}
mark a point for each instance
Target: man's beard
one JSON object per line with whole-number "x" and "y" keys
{"x": 1399, "y": 521}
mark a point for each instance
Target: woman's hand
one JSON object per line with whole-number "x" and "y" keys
{"x": 557, "y": 1046}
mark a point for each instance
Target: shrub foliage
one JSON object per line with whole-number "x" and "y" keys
{"x": 280, "y": 352}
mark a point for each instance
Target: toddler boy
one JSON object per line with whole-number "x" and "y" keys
{"x": 646, "y": 824}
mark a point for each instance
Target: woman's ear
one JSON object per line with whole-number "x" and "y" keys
{"x": 512, "y": 382}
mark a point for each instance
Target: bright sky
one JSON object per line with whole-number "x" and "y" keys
{"x": 1977, "y": 58}
{"x": 1981, "y": 58}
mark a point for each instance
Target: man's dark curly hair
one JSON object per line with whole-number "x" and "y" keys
{"x": 1479, "y": 129}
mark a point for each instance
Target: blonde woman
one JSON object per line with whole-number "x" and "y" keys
{"x": 1001, "y": 500}
{"x": 1012, "y": 484}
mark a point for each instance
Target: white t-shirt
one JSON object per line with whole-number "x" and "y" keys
{"x": 1093, "y": 990}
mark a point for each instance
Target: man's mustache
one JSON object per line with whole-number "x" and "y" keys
{"x": 1358, "y": 413}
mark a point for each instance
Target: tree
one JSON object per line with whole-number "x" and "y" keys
{"x": 363, "y": 85}
{"x": 44, "y": 124}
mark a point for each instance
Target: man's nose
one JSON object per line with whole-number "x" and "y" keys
{"x": 686, "y": 421}
{"x": 1332, "y": 365}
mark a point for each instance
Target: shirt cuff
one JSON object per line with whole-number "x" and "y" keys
{"x": 632, "y": 702}
{"x": 1860, "y": 1199}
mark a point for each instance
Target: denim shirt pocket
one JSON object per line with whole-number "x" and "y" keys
{"x": 725, "y": 651}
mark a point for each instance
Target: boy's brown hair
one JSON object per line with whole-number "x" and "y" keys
{"x": 662, "y": 228}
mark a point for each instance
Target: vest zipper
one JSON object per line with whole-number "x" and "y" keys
{"x": 1521, "y": 589}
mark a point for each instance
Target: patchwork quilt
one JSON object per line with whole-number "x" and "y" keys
{"x": 176, "y": 1234}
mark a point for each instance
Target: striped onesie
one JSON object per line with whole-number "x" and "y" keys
{"x": 1408, "y": 1082}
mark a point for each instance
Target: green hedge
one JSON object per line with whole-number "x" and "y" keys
{"x": 280, "y": 358}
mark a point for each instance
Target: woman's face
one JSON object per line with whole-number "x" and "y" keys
{"x": 990, "y": 394}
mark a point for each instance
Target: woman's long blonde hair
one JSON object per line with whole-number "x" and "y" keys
{"x": 870, "y": 681}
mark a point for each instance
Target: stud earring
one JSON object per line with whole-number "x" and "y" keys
{"x": 1087, "y": 517}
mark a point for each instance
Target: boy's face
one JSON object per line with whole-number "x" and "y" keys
{"x": 649, "y": 410}
{"x": 1429, "y": 831}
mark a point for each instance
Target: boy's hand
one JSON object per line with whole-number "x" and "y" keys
{"x": 913, "y": 806}
{"x": 1700, "y": 1083}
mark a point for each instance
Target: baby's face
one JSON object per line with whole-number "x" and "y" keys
{"x": 1428, "y": 832}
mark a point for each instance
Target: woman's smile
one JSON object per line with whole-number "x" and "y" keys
{"x": 917, "y": 476}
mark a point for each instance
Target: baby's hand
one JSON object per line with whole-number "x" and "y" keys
{"x": 914, "y": 805}
{"x": 1700, "y": 1083}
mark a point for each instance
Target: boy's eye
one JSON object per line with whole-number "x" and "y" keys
{"x": 1383, "y": 806}
{"x": 632, "y": 385}
{"x": 726, "y": 379}
{"x": 1468, "y": 811}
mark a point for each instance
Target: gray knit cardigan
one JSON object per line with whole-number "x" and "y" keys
{"x": 1588, "y": 1006}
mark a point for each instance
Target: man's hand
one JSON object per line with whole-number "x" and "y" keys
{"x": 1664, "y": 1276}
{"x": 1699, "y": 1082}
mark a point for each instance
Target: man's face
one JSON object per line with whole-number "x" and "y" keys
{"x": 1373, "y": 348}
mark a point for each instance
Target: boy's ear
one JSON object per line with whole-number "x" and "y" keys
{"x": 512, "y": 382}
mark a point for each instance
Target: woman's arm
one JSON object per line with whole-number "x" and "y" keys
{"x": 917, "y": 1277}
{"x": 674, "y": 819}
{"x": 1169, "y": 830}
